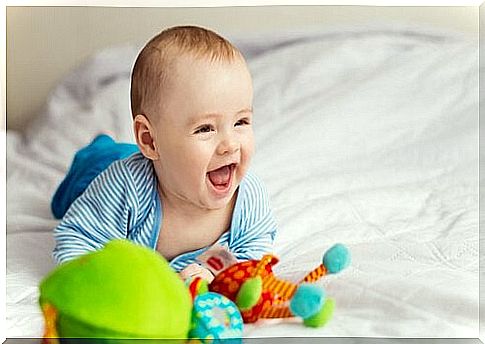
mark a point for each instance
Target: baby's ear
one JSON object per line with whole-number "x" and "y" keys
{"x": 144, "y": 134}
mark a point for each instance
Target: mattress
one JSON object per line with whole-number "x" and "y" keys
{"x": 366, "y": 136}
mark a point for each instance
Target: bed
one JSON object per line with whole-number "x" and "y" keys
{"x": 366, "y": 136}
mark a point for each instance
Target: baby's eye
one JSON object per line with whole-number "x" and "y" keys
{"x": 204, "y": 129}
{"x": 243, "y": 121}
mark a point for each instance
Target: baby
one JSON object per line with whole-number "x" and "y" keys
{"x": 188, "y": 186}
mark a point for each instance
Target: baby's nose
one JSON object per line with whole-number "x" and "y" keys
{"x": 229, "y": 145}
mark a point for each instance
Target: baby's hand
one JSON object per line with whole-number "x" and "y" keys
{"x": 195, "y": 270}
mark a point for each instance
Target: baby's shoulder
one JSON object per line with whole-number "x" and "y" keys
{"x": 252, "y": 204}
{"x": 135, "y": 171}
{"x": 137, "y": 165}
{"x": 253, "y": 190}
{"x": 252, "y": 182}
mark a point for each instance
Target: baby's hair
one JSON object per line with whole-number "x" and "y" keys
{"x": 153, "y": 63}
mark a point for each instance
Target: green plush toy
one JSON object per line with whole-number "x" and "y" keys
{"x": 122, "y": 291}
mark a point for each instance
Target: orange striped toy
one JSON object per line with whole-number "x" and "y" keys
{"x": 273, "y": 296}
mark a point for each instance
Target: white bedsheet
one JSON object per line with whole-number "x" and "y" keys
{"x": 368, "y": 137}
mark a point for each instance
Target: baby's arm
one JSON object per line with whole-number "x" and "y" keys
{"x": 99, "y": 215}
{"x": 258, "y": 225}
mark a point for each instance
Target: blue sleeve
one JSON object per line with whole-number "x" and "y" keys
{"x": 102, "y": 213}
{"x": 257, "y": 226}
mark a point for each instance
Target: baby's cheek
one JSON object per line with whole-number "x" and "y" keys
{"x": 246, "y": 157}
{"x": 249, "y": 147}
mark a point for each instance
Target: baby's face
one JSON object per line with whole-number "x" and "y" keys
{"x": 204, "y": 134}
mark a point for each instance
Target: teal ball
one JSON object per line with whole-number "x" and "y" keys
{"x": 307, "y": 300}
{"x": 336, "y": 258}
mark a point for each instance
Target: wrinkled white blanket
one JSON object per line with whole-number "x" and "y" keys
{"x": 368, "y": 137}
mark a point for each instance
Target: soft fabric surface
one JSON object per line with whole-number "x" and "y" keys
{"x": 368, "y": 137}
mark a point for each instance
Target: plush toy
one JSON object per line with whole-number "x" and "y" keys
{"x": 128, "y": 291}
{"x": 214, "y": 316}
{"x": 259, "y": 294}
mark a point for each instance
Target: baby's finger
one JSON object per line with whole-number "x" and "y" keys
{"x": 192, "y": 267}
{"x": 204, "y": 274}
{"x": 190, "y": 270}
{"x": 207, "y": 275}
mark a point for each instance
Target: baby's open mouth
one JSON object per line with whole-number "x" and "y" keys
{"x": 221, "y": 177}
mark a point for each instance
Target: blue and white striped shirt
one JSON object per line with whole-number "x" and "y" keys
{"x": 123, "y": 202}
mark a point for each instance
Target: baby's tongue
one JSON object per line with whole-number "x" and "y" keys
{"x": 220, "y": 176}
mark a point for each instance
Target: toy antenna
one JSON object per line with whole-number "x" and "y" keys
{"x": 315, "y": 274}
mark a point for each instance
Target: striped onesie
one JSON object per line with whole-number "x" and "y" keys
{"x": 123, "y": 202}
